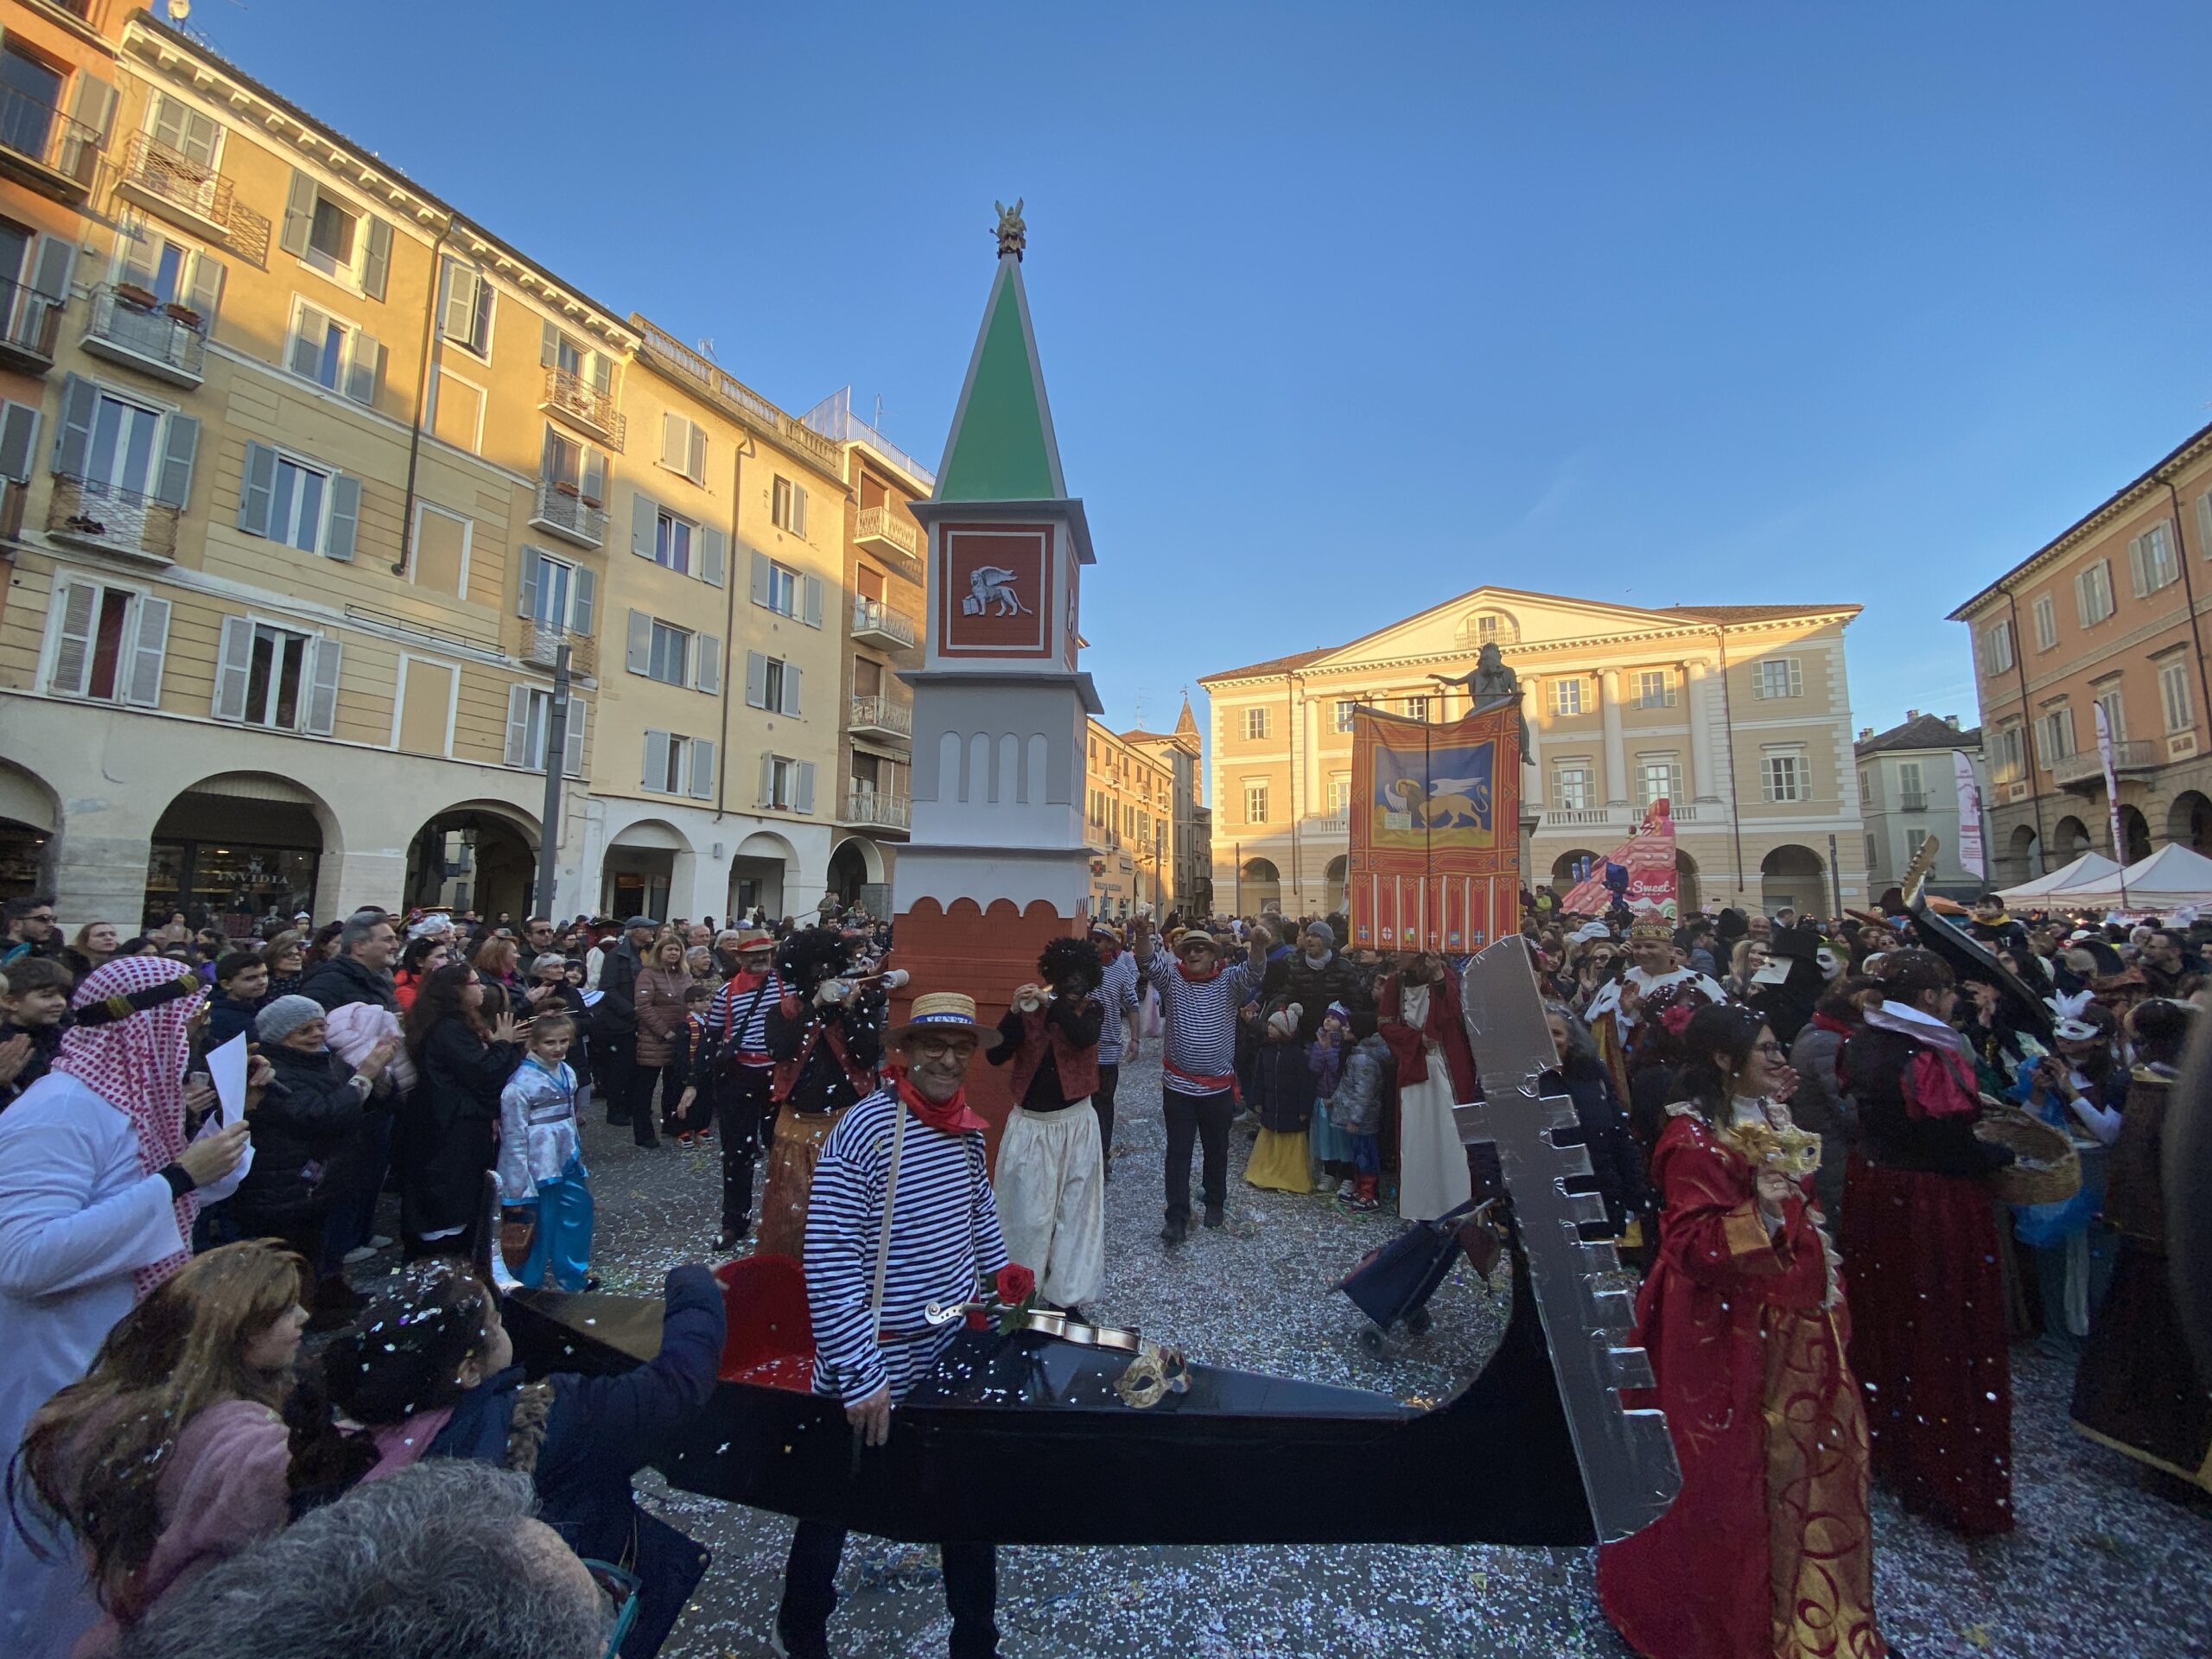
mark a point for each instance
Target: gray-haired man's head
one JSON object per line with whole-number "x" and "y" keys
{"x": 440, "y": 1561}
{"x": 368, "y": 938}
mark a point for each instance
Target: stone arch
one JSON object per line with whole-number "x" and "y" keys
{"x": 1333, "y": 879}
{"x": 2019, "y": 859}
{"x": 1793, "y": 876}
{"x": 764, "y": 873}
{"x": 1687, "y": 895}
{"x": 480, "y": 854}
{"x": 30, "y": 832}
{"x": 873, "y": 870}
{"x": 235, "y": 846}
{"x": 2070, "y": 836}
{"x": 638, "y": 871}
{"x": 2135, "y": 835}
{"x": 1261, "y": 886}
{"x": 2188, "y": 821}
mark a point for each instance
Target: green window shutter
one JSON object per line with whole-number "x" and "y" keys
{"x": 548, "y": 346}
{"x": 233, "y": 666}
{"x": 18, "y": 438}
{"x": 655, "y": 777}
{"x": 812, "y": 586}
{"x": 760, "y": 569}
{"x": 375, "y": 267}
{"x": 207, "y": 290}
{"x": 365, "y": 375}
{"x": 767, "y": 780}
{"x": 169, "y": 122}
{"x": 323, "y": 653}
{"x": 73, "y": 438}
{"x": 583, "y": 594}
{"x": 638, "y": 655}
{"x": 695, "y": 466}
{"x": 803, "y": 797}
{"x": 526, "y": 586}
{"x": 756, "y": 680}
{"x": 573, "y": 758}
{"x": 257, "y": 490}
{"x": 517, "y": 749}
{"x": 708, "y": 667}
{"x": 790, "y": 689}
{"x": 299, "y": 214}
{"x": 645, "y": 524}
{"x": 714, "y": 555}
{"x": 702, "y": 769}
{"x": 180, "y": 446}
{"x": 345, "y": 515}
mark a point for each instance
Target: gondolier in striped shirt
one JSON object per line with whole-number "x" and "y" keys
{"x": 1197, "y": 1066}
{"x": 734, "y": 1070}
{"x": 914, "y": 1150}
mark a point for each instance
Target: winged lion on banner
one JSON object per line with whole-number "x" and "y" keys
{"x": 1450, "y": 803}
{"x": 992, "y": 585}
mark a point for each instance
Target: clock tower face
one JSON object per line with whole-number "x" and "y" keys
{"x": 997, "y": 593}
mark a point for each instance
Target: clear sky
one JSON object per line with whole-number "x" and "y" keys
{"x": 1348, "y": 310}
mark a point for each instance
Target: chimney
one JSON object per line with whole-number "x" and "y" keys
{"x": 1865, "y": 732}
{"x": 1912, "y": 714}
{"x": 1952, "y": 720}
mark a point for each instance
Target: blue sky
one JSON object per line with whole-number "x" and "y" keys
{"x": 1347, "y": 309}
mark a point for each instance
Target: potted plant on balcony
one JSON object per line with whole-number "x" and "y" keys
{"x": 561, "y": 487}
{"x": 183, "y": 313}
{"x": 592, "y": 501}
{"x": 144, "y": 298}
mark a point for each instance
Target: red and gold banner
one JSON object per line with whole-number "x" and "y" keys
{"x": 1435, "y": 825}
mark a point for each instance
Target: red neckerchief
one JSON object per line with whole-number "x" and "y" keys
{"x": 1184, "y": 968}
{"x": 947, "y": 1117}
{"x": 742, "y": 981}
{"x": 1828, "y": 1023}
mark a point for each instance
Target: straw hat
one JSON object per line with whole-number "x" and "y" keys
{"x": 940, "y": 1011}
{"x": 753, "y": 938}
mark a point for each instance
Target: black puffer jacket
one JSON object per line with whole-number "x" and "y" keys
{"x": 301, "y": 1125}
{"x": 1313, "y": 989}
{"x": 452, "y": 1125}
{"x": 1616, "y": 1160}
{"x": 341, "y": 980}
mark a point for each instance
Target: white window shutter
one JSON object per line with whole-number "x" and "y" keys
{"x": 457, "y": 308}
{"x": 299, "y": 214}
{"x": 517, "y": 752}
{"x": 756, "y": 680}
{"x": 18, "y": 440}
{"x": 645, "y": 524}
{"x": 179, "y": 447}
{"x": 695, "y": 460}
{"x": 702, "y": 768}
{"x": 638, "y": 653}
{"x": 526, "y": 586}
{"x": 791, "y": 688}
{"x": 714, "y": 555}
{"x": 673, "y": 429}
{"x": 72, "y": 657}
{"x": 2204, "y": 525}
{"x": 656, "y": 761}
{"x": 572, "y": 762}
{"x": 322, "y": 693}
{"x": 149, "y": 643}
{"x": 803, "y": 797}
{"x": 257, "y": 489}
{"x": 813, "y": 594}
{"x": 233, "y": 662}
{"x": 760, "y": 566}
{"x": 584, "y": 598}
{"x": 345, "y": 517}
{"x": 2138, "y": 565}
{"x": 767, "y": 780}
{"x": 709, "y": 665}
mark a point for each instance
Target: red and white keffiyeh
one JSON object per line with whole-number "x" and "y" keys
{"x": 136, "y": 1064}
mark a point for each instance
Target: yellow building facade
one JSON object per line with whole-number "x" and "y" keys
{"x": 326, "y": 477}
{"x": 1738, "y": 714}
{"x": 1130, "y": 817}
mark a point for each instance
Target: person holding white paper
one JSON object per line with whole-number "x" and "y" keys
{"x": 98, "y": 1186}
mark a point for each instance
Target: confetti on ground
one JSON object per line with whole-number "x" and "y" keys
{"x": 2109, "y": 1560}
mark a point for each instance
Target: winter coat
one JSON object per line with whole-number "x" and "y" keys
{"x": 299, "y": 1129}
{"x": 1313, "y": 989}
{"x": 45, "y": 1043}
{"x": 659, "y": 1002}
{"x": 616, "y": 1014}
{"x": 1282, "y": 1087}
{"x": 1616, "y": 1161}
{"x": 598, "y": 1433}
{"x": 227, "y": 1017}
{"x": 342, "y": 980}
{"x": 1357, "y": 1106}
{"x": 452, "y": 1125}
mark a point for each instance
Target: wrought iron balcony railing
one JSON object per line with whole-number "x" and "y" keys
{"x": 129, "y": 326}
{"x": 540, "y": 646}
{"x": 882, "y": 624}
{"x": 106, "y": 516}
{"x": 29, "y": 323}
{"x": 193, "y": 194}
{"x": 564, "y": 510}
{"x": 880, "y": 714}
{"x": 576, "y": 400}
{"x": 2084, "y": 769}
{"x": 884, "y": 811}
{"x": 882, "y": 529}
{"x": 58, "y": 155}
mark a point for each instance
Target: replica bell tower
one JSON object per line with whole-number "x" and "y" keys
{"x": 998, "y": 862}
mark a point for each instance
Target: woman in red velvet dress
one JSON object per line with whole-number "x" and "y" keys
{"x": 1766, "y": 1552}
{"x": 1920, "y": 1257}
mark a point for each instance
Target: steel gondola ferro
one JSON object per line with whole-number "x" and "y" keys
{"x": 1022, "y": 1436}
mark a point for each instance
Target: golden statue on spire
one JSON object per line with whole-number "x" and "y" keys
{"x": 1014, "y": 235}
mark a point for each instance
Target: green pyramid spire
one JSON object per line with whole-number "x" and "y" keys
{"x": 1002, "y": 447}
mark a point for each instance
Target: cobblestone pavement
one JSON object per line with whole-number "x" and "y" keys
{"x": 2106, "y": 1561}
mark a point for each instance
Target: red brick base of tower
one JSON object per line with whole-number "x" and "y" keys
{"x": 989, "y": 953}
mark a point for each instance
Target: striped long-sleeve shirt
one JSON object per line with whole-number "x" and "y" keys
{"x": 1117, "y": 995}
{"x": 751, "y": 1037}
{"x": 945, "y": 1232}
{"x": 1201, "y": 1014}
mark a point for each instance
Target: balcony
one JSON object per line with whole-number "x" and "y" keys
{"x": 87, "y": 513}
{"x": 880, "y": 530}
{"x": 130, "y": 327}
{"x": 876, "y": 623}
{"x": 29, "y": 323}
{"x": 563, "y": 510}
{"x": 865, "y": 806}
{"x": 576, "y": 400}
{"x": 1326, "y": 824}
{"x": 1912, "y": 802}
{"x": 45, "y": 149}
{"x": 2083, "y": 773}
{"x": 193, "y": 195}
{"x": 879, "y": 717}
{"x": 539, "y": 645}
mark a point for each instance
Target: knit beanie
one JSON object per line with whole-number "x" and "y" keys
{"x": 280, "y": 1019}
{"x": 1327, "y": 934}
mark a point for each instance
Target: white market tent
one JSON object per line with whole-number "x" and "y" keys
{"x": 2170, "y": 878}
{"x": 2091, "y": 867}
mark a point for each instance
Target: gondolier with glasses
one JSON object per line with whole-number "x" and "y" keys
{"x": 901, "y": 1216}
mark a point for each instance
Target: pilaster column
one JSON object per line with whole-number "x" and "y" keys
{"x": 1704, "y": 785}
{"x": 1532, "y": 704}
{"x": 1617, "y": 789}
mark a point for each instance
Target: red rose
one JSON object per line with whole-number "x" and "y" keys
{"x": 1016, "y": 1284}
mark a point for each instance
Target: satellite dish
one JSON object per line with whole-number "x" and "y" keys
{"x": 179, "y": 10}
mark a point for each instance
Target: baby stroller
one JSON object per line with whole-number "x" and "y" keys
{"x": 1393, "y": 1282}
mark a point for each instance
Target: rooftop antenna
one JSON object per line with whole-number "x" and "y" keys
{"x": 705, "y": 347}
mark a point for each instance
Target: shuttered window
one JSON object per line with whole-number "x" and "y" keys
{"x": 787, "y": 507}
{"x": 330, "y": 234}
{"x": 1778, "y": 676}
{"x": 2151, "y": 561}
{"x": 335, "y": 355}
{"x": 293, "y": 500}
{"x": 276, "y": 676}
{"x": 683, "y": 447}
{"x": 530, "y": 720}
{"x": 465, "y": 308}
{"x": 109, "y": 643}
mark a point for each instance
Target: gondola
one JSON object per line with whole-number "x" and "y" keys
{"x": 1022, "y": 1437}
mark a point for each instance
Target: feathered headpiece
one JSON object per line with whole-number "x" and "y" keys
{"x": 810, "y": 956}
{"x": 1066, "y": 959}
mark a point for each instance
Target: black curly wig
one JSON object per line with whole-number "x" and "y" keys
{"x": 1071, "y": 959}
{"x": 810, "y": 956}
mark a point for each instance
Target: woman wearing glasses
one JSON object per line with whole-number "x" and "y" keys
{"x": 1766, "y": 1551}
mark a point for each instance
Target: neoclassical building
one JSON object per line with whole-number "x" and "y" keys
{"x": 1740, "y": 715}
